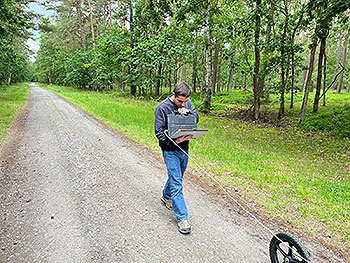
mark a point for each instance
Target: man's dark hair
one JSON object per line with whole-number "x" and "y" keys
{"x": 182, "y": 89}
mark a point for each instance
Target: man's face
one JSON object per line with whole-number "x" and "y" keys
{"x": 180, "y": 101}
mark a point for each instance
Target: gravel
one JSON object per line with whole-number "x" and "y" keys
{"x": 72, "y": 190}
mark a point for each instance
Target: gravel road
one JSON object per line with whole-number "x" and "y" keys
{"x": 74, "y": 191}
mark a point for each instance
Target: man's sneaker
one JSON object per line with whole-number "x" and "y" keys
{"x": 184, "y": 226}
{"x": 167, "y": 202}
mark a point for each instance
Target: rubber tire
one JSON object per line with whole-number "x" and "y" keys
{"x": 293, "y": 242}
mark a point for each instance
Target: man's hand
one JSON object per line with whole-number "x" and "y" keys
{"x": 183, "y": 111}
{"x": 183, "y": 138}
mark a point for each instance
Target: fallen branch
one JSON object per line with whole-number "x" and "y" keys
{"x": 336, "y": 76}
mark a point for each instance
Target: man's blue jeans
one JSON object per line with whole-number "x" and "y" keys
{"x": 176, "y": 163}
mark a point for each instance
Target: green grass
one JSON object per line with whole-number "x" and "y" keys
{"x": 298, "y": 176}
{"x": 12, "y": 99}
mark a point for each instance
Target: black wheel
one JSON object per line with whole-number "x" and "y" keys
{"x": 287, "y": 249}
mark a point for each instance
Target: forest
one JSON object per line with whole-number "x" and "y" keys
{"x": 259, "y": 70}
{"x": 145, "y": 47}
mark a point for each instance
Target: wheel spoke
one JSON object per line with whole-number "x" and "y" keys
{"x": 290, "y": 250}
{"x": 281, "y": 250}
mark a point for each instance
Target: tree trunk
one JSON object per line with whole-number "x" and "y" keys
{"x": 181, "y": 71}
{"x": 215, "y": 67}
{"x": 125, "y": 10}
{"x": 229, "y": 85}
{"x": 175, "y": 76}
{"x": 92, "y": 24}
{"x": 257, "y": 60}
{"x": 122, "y": 79}
{"x": 283, "y": 71}
{"x": 324, "y": 79}
{"x": 340, "y": 83}
{"x": 97, "y": 19}
{"x": 170, "y": 82}
{"x": 184, "y": 77}
{"x": 50, "y": 74}
{"x": 9, "y": 80}
{"x": 348, "y": 87}
{"x": 308, "y": 81}
{"x": 194, "y": 70}
{"x": 338, "y": 60}
{"x": 315, "y": 59}
{"x": 218, "y": 86}
{"x": 158, "y": 80}
{"x": 307, "y": 86}
{"x": 208, "y": 63}
{"x": 293, "y": 80}
{"x": 303, "y": 78}
{"x": 302, "y": 37}
{"x": 80, "y": 23}
{"x": 110, "y": 13}
{"x": 120, "y": 19}
{"x": 319, "y": 72}
{"x": 131, "y": 21}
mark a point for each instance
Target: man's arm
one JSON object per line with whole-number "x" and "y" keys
{"x": 160, "y": 125}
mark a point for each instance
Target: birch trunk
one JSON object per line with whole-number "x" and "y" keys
{"x": 338, "y": 60}
{"x": 215, "y": 68}
{"x": 340, "y": 83}
{"x": 308, "y": 81}
{"x": 229, "y": 86}
{"x": 309, "y": 76}
{"x": 194, "y": 70}
{"x": 303, "y": 78}
{"x": 9, "y": 80}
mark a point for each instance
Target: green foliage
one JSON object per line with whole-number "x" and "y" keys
{"x": 334, "y": 121}
{"x": 234, "y": 97}
{"x": 12, "y": 18}
{"x": 14, "y": 22}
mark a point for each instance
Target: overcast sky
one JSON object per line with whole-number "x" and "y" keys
{"x": 34, "y": 43}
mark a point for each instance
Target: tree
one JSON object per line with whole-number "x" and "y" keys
{"x": 14, "y": 25}
{"x": 257, "y": 60}
{"x": 340, "y": 83}
{"x": 80, "y": 22}
{"x": 208, "y": 63}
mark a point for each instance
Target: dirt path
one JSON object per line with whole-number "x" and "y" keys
{"x": 73, "y": 191}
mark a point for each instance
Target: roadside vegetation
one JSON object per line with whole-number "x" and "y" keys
{"x": 257, "y": 70}
{"x": 12, "y": 100}
{"x": 299, "y": 176}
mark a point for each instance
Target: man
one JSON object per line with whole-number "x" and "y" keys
{"x": 175, "y": 160}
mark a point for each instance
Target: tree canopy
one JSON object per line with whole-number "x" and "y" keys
{"x": 268, "y": 47}
{"x": 14, "y": 54}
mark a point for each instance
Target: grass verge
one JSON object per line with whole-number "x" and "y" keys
{"x": 12, "y": 99}
{"x": 298, "y": 177}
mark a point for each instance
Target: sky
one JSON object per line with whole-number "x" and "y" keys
{"x": 34, "y": 43}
